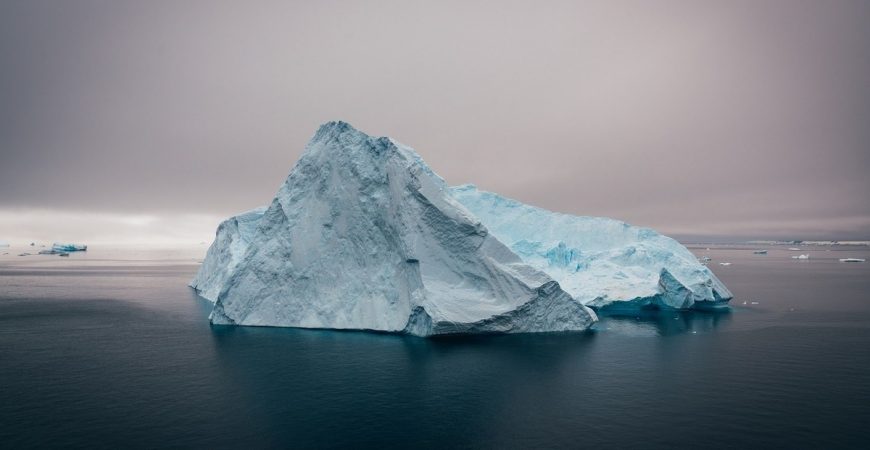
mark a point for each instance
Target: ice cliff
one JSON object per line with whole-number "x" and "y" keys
{"x": 229, "y": 247}
{"x": 603, "y": 263}
{"x": 363, "y": 235}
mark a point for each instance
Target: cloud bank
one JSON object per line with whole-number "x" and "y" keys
{"x": 737, "y": 118}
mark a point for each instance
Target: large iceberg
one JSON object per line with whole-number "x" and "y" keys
{"x": 363, "y": 235}
{"x": 603, "y": 263}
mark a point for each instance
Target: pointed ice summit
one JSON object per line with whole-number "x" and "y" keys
{"x": 363, "y": 235}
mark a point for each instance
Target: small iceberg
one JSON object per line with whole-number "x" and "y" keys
{"x": 4, "y": 244}
{"x": 852, "y": 260}
{"x": 760, "y": 252}
{"x": 63, "y": 249}
{"x": 801, "y": 257}
{"x": 66, "y": 247}
{"x": 794, "y": 249}
{"x": 725, "y": 264}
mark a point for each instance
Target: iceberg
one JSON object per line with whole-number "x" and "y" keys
{"x": 603, "y": 263}
{"x": 65, "y": 247}
{"x": 364, "y": 235}
{"x": 4, "y": 244}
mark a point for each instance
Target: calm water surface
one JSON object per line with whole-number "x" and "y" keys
{"x": 111, "y": 349}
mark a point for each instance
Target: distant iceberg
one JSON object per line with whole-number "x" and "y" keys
{"x": 63, "y": 249}
{"x": 4, "y": 244}
{"x": 66, "y": 247}
{"x": 363, "y": 235}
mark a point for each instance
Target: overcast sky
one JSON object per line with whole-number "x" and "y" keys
{"x": 152, "y": 119}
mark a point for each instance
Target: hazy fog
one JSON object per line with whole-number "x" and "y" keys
{"x": 124, "y": 120}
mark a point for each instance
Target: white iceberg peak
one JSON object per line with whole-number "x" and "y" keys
{"x": 363, "y": 235}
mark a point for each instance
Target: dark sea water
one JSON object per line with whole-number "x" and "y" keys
{"x": 111, "y": 349}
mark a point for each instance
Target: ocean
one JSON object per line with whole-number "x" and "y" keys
{"x": 111, "y": 349}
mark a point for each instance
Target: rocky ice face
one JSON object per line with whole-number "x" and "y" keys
{"x": 363, "y": 235}
{"x": 603, "y": 263}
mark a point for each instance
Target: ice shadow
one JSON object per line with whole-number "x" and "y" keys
{"x": 662, "y": 322}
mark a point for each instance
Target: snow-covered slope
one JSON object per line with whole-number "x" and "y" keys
{"x": 603, "y": 263}
{"x": 363, "y": 235}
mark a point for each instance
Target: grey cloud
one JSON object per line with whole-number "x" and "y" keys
{"x": 738, "y": 118}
